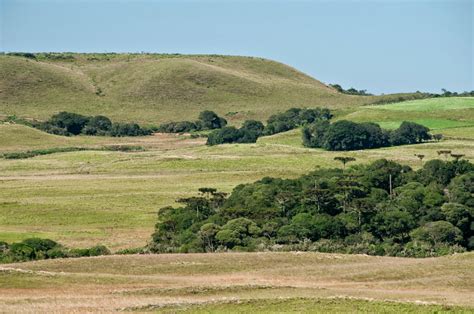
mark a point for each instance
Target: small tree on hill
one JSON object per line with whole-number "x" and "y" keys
{"x": 444, "y": 152}
{"x": 344, "y": 160}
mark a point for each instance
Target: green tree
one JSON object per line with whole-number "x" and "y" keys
{"x": 237, "y": 232}
{"x": 437, "y": 232}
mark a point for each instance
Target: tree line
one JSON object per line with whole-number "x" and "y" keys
{"x": 208, "y": 120}
{"x": 69, "y": 124}
{"x": 382, "y": 208}
{"x": 251, "y": 130}
{"x": 36, "y": 249}
{"x": 346, "y": 135}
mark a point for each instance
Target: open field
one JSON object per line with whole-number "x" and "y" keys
{"x": 88, "y": 197}
{"x": 438, "y": 114}
{"x": 241, "y": 282}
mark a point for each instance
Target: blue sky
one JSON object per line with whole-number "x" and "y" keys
{"x": 382, "y": 46}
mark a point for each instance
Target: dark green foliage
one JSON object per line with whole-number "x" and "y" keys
{"x": 128, "y": 129}
{"x": 93, "y": 251}
{"x": 73, "y": 123}
{"x": 346, "y": 135}
{"x": 350, "y": 91}
{"x": 28, "y": 55}
{"x": 47, "y": 151}
{"x": 179, "y": 127}
{"x": 251, "y": 130}
{"x": 67, "y": 123}
{"x": 409, "y": 133}
{"x": 248, "y": 133}
{"x": 295, "y": 117}
{"x": 352, "y": 211}
{"x": 208, "y": 120}
{"x": 98, "y": 125}
{"x": 37, "y": 249}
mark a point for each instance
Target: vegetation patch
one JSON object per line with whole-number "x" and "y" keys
{"x": 67, "y": 124}
{"x": 251, "y": 130}
{"x": 40, "y": 152}
{"x": 382, "y": 208}
{"x": 348, "y": 135}
{"x": 300, "y": 305}
{"x": 37, "y": 249}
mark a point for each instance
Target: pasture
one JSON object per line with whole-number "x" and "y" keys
{"x": 88, "y": 197}
{"x": 242, "y": 283}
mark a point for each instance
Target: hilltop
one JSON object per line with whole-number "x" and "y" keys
{"x": 154, "y": 88}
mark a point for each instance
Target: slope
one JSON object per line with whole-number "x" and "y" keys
{"x": 153, "y": 88}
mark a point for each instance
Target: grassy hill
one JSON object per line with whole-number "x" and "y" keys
{"x": 153, "y": 88}
{"x": 241, "y": 283}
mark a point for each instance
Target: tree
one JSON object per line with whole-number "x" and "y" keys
{"x": 392, "y": 223}
{"x": 208, "y": 233}
{"x": 72, "y": 122}
{"x": 444, "y": 152}
{"x": 314, "y": 134}
{"x": 237, "y": 232}
{"x": 344, "y": 160}
{"x": 437, "y": 232}
{"x": 460, "y": 216}
{"x": 420, "y": 157}
{"x": 409, "y": 133}
{"x": 437, "y": 137}
{"x": 210, "y": 120}
{"x": 228, "y": 134}
{"x": 457, "y": 157}
{"x": 97, "y": 125}
{"x": 253, "y": 125}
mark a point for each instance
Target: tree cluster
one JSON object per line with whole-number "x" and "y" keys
{"x": 251, "y": 130}
{"x": 36, "y": 249}
{"x": 346, "y": 135}
{"x": 295, "y": 117}
{"x": 350, "y": 91}
{"x": 68, "y": 123}
{"x": 208, "y": 120}
{"x": 383, "y": 208}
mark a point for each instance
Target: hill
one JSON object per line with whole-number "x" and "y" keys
{"x": 241, "y": 282}
{"x": 154, "y": 88}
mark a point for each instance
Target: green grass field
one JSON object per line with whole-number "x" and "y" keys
{"x": 439, "y": 114}
{"x": 241, "y": 283}
{"x": 88, "y": 197}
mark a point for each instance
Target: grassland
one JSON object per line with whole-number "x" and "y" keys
{"x": 151, "y": 89}
{"x": 439, "y": 114}
{"x": 83, "y": 198}
{"x": 88, "y": 197}
{"x": 241, "y": 282}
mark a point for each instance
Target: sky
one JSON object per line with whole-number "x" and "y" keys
{"x": 383, "y": 46}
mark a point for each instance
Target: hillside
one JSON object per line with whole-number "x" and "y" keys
{"x": 153, "y": 88}
{"x": 241, "y": 282}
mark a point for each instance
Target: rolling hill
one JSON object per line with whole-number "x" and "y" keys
{"x": 154, "y": 88}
